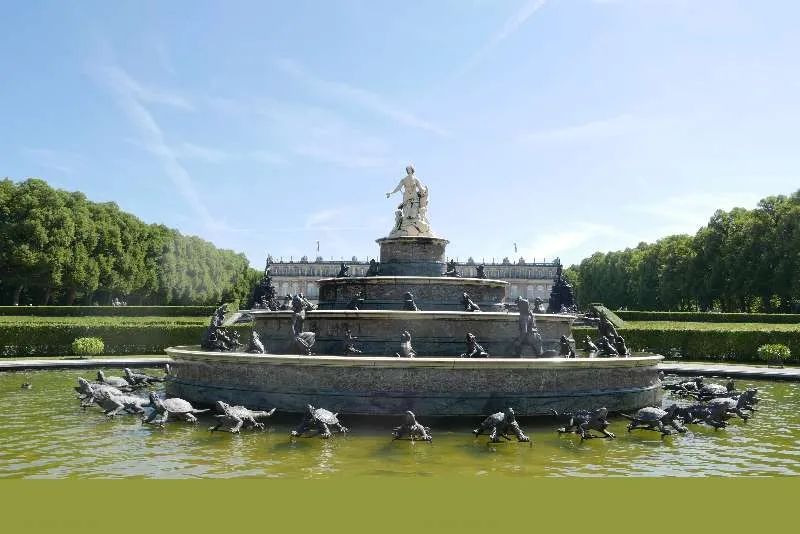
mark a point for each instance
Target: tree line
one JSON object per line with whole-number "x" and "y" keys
{"x": 741, "y": 261}
{"x": 57, "y": 247}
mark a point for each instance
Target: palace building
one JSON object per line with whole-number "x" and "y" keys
{"x": 525, "y": 279}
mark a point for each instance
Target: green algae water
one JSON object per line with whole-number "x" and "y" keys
{"x": 45, "y": 434}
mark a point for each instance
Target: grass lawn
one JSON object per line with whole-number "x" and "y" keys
{"x": 731, "y": 327}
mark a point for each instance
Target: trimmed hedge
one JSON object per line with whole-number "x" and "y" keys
{"x": 706, "y": 317}
{"x": 104, "y": 321}
{"x": 37, "y": 339}
{"x": 719, "y": 344}
{"x": 108, "y": 311}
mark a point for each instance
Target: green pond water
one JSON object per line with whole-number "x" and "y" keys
{"x": 44, "y": 434}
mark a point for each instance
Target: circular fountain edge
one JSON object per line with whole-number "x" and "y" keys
{"x": 380, "y": 385}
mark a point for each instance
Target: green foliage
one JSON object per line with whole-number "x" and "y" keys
{"x": 107, "y": 311}
{"x": 55, "y": 339}
{"x": 87, "y": 346}
{"x": 741, "y": 261}
{"x": 704, "y": 341}
{"x": 774, "y": 352}
{"x": 58, "y": 247}
{"x": 710, "y": 317}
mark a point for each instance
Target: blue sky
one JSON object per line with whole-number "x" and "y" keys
{"x": 565, "y": 126}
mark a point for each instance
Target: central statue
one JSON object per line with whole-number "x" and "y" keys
{"x": 411, "y": 217}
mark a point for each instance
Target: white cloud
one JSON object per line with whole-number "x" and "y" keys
{"x": 132, "y": 98}
{"x": 509, "y": 28}
{"x": 516, "y": 20}
{"x": 359, "y": 97}
{"x": 144, "y": 93}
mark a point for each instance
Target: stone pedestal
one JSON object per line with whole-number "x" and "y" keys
{"x": 412, "y": 256}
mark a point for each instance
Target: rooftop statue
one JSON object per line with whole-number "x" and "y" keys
{"x": 411, "y": 217}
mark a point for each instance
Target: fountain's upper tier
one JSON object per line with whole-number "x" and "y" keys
{"x": 412, "y": 260}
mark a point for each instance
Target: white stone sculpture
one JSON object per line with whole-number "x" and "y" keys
{"x": 411, "y": 218}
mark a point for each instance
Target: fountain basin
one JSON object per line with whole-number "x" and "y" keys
{"x": 434, "y": 333}
{"x": 377, "y": 385}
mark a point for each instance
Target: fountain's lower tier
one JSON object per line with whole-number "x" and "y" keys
{"x": 433, "y": 333}
{"x": 426, "y": 386}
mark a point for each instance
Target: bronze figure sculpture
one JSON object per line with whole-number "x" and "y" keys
{"x": 468, "y": 304}
{"x": 474, "y": 349}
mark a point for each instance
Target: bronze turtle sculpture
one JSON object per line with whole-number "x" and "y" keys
{"x": 582, "y": 421}
{"x": 698, "y": 414}
{"x": 723, "y": 408}
{"x": 233, "y": 418}
{"x": 114, "y": 381}
{"x": 175, "y": 408}
{"x": 88, "y": 391}
{"x": 115, "y": 404}
{"x": 499, "y": 425}
{"x": 412, "y": 429}
{"x": 652, "y": 418}
{"x": 140, "y": 379}
{"x": 687, "y": 385}
{"x": 318, "y": 419}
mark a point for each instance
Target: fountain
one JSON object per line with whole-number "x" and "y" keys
{"x": 394, "y": 341}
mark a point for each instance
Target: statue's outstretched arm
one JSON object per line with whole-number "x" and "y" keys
{"x": 396, "y": 189}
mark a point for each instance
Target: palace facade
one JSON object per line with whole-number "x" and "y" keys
{"x": 525, "y": 279}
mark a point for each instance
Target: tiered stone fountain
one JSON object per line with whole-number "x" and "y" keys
{"x": 437, "y": 382}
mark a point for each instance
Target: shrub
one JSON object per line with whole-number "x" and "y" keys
{"x": 88, "y": 346}
{"x": 774, "y": 352}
